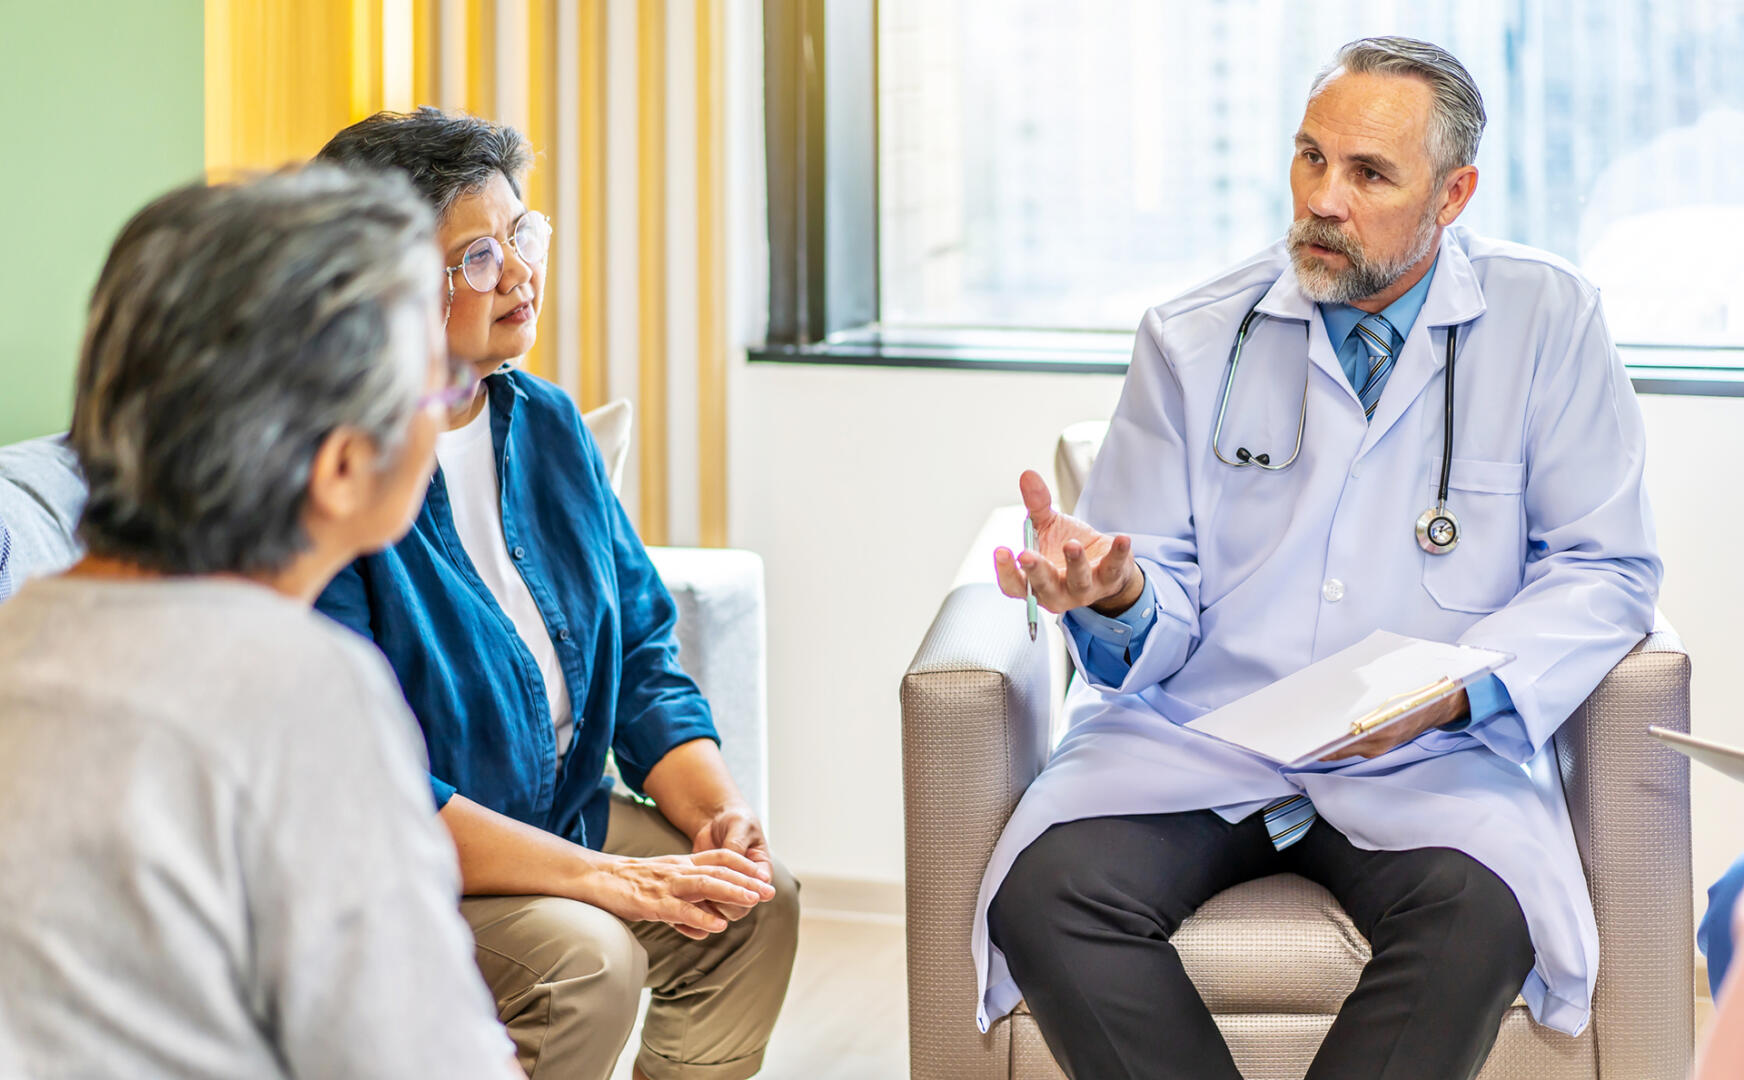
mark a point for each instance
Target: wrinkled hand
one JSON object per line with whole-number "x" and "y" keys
{"x": 684, "y": 891}
{"x": 1073, "y": 565}
{"x": 1445, "y": 711}
{"x": 737, "y": 830}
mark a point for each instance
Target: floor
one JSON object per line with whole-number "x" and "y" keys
{"x": 846, "y": 1016}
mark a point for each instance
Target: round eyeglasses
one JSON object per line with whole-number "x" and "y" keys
{"x": 481, "y": 264}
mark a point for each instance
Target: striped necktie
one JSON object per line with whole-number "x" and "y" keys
{"x": 1287, "y": 820}
{"x": 1378, "y": 336}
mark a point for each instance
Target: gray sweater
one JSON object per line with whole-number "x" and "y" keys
{"x": 218, "y": 852}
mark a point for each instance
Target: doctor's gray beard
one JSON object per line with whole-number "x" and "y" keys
{"x": 1364, "y": 276}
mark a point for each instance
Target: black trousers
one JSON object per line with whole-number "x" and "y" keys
{"x": 1085, "y": 916}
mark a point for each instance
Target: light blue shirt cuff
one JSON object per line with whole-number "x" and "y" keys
{"x": 1126, "y": 630}
{"x": 1108, "y": 645}
{"x": 1487, "y": 697}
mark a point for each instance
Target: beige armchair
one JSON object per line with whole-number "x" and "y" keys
{"x": 1275, "y": 958}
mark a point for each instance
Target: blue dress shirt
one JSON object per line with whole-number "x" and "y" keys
{"x": 1341, "y": 320}
{"x": 1714, "y": 936}
{"x": 1108, "y": 643}
{"x": 471, "y": 680}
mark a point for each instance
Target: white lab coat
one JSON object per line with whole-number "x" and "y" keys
{"x": 1258, "y": 574}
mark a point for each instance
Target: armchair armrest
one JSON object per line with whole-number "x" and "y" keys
{"x": 1628, "y": 796}
{"x": 975, "y": 726}
{"x": 722, "y": 645}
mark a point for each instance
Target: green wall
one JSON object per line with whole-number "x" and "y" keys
{"x": 103, "y": 105}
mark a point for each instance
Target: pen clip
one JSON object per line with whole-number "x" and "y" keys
{"x": 1400, "y": 704}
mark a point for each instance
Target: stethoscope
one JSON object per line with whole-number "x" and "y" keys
{"x": 1437, "y": 527}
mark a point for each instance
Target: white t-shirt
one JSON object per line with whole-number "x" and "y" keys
{"x": 469, "y": 470}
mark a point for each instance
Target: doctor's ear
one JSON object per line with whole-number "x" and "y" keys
{"x": 1456, "y": 191}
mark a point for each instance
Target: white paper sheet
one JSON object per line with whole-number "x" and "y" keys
{"x": 1303, "y": 716}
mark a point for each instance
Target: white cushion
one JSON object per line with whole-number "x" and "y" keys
{"x": 610, "y": 426}
{"x": 1073, "y": 456}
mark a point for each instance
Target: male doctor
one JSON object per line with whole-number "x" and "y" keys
{"x": 1201, "y": 571}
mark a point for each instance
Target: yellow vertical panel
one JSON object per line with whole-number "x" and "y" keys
{"x": 651, "y": 254}
{"x": 481, "y": 21}
{"x": 426, "y": 51}
{"x": 364, "y": 44}
{"x": 711, "y": 345}
{"x": 590, "y": 227}
{"x": 220, "y": 83}
{"x": 541, "y": 75}
{"x": 282, "y": 78}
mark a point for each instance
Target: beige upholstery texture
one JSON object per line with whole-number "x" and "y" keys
{"x": 1274, "y": 958}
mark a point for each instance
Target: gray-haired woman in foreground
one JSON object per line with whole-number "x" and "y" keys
{"x": 217, "y": 850}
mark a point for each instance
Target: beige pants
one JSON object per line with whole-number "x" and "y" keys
{"x": 567, "y": 976}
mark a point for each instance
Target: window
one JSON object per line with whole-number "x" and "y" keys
{"x": 1065, "y": 164}
{"x": 1046, "y": 170}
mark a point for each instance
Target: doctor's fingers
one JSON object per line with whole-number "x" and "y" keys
{"x": 1116, "y": 565}
{"x": 1078, "y": 571}
{"x": 1010, "y": 576}
{"x": 1049, "y": 584}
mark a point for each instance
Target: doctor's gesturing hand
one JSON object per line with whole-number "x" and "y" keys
{"x": 1073, "y": 565}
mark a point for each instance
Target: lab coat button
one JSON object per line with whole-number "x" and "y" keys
{"x": 1333, "y": 590}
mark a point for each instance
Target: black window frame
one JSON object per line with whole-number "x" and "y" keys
{"x": 820, "y": 64}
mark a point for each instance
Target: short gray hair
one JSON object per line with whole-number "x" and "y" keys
{"x": 1457, "y": 119}
{"x": 445, "y": 155}
{"x": 232, "y": 330}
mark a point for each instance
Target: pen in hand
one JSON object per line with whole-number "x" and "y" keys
{"x": 1029, "y": 539}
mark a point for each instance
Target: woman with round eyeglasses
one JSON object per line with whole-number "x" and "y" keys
{"x": 533, "y": 638}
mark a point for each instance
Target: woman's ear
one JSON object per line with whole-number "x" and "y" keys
{"x": 342, "y": 476}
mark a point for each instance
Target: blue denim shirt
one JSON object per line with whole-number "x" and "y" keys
{"x": 469, "y": 677}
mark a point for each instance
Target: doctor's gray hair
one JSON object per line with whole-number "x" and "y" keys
{"x": 232, "y": 330}
{"x": 1457, "y": 120}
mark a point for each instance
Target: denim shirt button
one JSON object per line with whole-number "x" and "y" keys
{"x": 520, "y": 552}
{"x": 563, "y": 635}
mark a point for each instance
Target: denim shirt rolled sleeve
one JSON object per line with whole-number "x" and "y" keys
{"x": 473, "y": 684}
{"x": 1108, "y": 643}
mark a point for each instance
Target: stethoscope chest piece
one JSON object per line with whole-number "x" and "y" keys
{"x": 1438, "y": 530}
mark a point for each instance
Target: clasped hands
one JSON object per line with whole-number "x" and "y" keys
{"x": 726, "y": 875}
{"x": 1074, "y": 566}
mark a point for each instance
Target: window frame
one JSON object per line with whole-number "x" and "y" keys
{"x": 821, "y": 152}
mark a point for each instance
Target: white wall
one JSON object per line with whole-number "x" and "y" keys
{"x": 1691, "y": 445}
{"x": 862, "y": 487}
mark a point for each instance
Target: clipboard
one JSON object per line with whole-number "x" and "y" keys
{"x": 1719, "y": 756}
{"x": 1376, "y": 683}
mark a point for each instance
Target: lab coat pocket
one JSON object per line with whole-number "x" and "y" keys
{"x": 1483, "y": 573}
